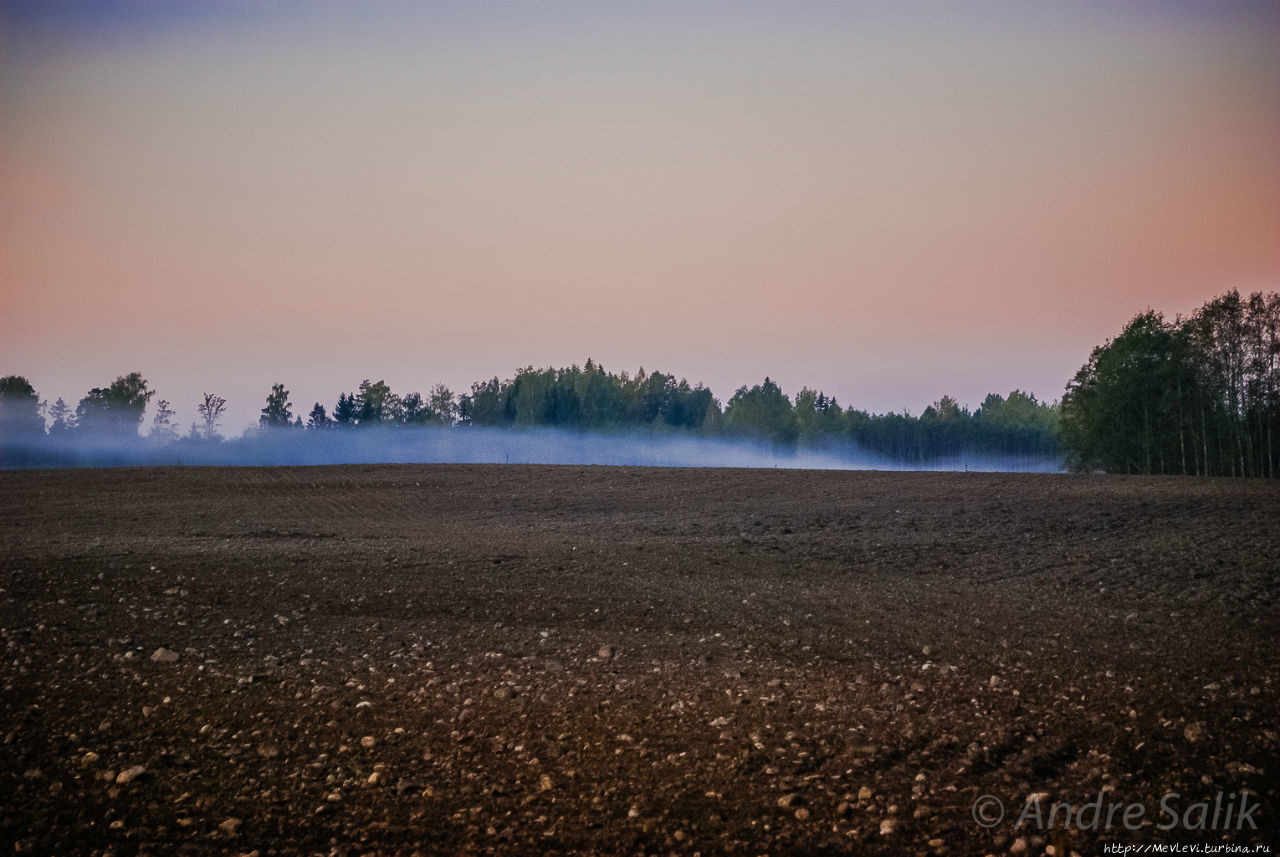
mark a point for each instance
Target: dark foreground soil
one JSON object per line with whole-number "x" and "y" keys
{"x": 489, "y": 659}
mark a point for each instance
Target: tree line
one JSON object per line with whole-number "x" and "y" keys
{"x": 1198, "y": 395}
{"x": 585, "y": 398}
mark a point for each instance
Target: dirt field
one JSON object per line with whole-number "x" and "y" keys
{"x": 489, "y": 659}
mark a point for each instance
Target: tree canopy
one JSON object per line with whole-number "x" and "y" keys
{"x": 1196, "y": 395}
{"x": 20, "y": 415}
{"x": 116, "y": 409}
{"x": 588, "y": 398}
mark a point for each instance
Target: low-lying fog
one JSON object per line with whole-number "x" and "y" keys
{"x": 487, "y": 446}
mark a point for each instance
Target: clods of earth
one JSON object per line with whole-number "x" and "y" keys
{"x": 573, "y": 660}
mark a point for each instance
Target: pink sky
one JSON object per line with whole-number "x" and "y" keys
{"x": 886, "y": 204}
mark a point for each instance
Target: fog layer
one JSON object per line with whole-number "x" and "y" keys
{"x": 482, "y": 446}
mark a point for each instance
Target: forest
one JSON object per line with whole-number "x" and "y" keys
{"x": 582, "y": 399}
{"x": 1198, "y": 395}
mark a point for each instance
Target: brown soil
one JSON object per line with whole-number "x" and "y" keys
{"x": 490, "y": 659}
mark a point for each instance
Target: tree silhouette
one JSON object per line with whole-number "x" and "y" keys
{"x": 763, "y": 411}
{"x": 346, "y": 411}
{"x": 210, "y": 409}
{"x": 318, "y": 418}
{"x": 443, "y": 408}
{"x": 63, "y": 417}
{"x": 278, "y": 413}
{"x": 115, "y": 410}
{"x": 20, "y": 417}
{"x": 163, "y": 429}
{"x": 1220, "y": 416}
{"x": 375, "y": 403}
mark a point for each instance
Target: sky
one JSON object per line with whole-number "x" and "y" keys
{"x": 888, "y": 201}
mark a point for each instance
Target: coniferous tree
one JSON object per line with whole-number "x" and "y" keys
{"x": 318, "y": 418}
{"x": 346, "y": 411}
{"x": 278, "y": 412}
{"x": 63, "y": 417}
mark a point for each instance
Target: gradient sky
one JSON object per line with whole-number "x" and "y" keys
{"x": 888, "y": 201}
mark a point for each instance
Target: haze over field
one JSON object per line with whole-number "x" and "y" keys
{"x": 506, "y": 446}
{"x": 886, "y": 203}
